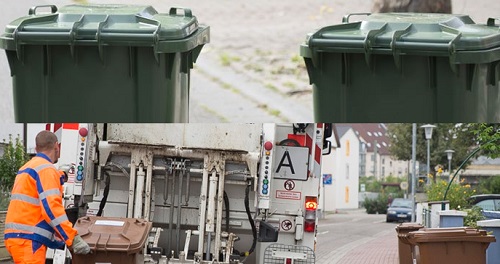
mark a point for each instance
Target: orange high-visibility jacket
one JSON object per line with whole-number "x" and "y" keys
{"x": 36, "y": 211}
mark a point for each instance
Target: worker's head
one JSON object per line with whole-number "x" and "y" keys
{"x": 46, "y": 143}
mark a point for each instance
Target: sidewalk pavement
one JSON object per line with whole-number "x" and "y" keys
{"x": 381, "y": 250}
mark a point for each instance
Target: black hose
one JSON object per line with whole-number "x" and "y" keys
{"x": 105, "y": 195}
{"x": 254, "y": 229}
{"x": 226, "y": 204}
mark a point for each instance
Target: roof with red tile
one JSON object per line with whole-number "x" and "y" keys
{"x": 373, "y": 134}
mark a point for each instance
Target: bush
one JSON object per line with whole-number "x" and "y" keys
{"x": 13, "y": 158}
{"x": 370, "y": 205}
{"x": 474, "y": 214}
{"x": 376, "y": 206}
{"x": 4, "y": 198}
{"x": 490, "y": 185}
{"x": 458, "y": 194}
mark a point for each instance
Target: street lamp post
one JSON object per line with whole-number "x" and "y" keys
{"x": 449, "y": 153}
{"x": 428, "y": 135}
{"x": 414, "y": 170}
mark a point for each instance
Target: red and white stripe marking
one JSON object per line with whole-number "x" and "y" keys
{"x": 314, "y": 135}
{"x": 57, "y": 129}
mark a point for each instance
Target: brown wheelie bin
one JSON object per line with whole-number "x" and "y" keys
{"x": 405, "y": 248}
{"x": 451, "y": 245}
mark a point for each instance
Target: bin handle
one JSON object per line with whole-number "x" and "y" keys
{"x": 32, "y": 10}
{"x": 345, "y": 19}
{"x": 491, "y": 21}
{"x": 187, "y": 11}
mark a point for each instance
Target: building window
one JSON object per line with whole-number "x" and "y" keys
{"x": 347, "y": 171}
{"x": 362, "y": 147}
{"x": 383, "y": 171}
{"x": 362, "y": 164}
{"x": 347, "y": 148}
{"x": 373, "y": 157}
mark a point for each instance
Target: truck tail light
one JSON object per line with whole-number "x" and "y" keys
{"x": 311, "y": 204}
{"x": 309, "y": 226}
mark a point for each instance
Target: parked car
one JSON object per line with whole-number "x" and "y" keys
{"x": 488, "y": 202}
{"x": 399, "y": 210}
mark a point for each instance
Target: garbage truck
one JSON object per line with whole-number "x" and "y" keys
{"x": 215, "y": 193}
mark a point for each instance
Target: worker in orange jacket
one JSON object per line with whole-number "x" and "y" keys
{"x": 36, "y": 218}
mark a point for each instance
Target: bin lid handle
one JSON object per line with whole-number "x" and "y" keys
{"x": 187, "y": 11}
{"x": 491, "y": 21}
{"x": 345, "y": 19}
{"x": 32, "y": 10}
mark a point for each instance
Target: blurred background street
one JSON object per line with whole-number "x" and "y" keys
{"x": 251, "y": 70}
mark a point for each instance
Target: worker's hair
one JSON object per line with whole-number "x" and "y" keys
{"x": 45, "y": 140}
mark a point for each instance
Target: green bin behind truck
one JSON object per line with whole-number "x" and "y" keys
{"x": 400, "y": 67}
{"x": 112, "y": 63}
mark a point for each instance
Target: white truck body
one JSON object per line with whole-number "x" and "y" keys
{"x": 191, "y": 180}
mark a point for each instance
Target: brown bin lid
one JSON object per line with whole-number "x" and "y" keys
{"x": 408, "y": 226}
{"x": 449, "y": 235}
{"x": 113, "y": 233}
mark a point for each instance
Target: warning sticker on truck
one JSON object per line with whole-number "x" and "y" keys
{"x": 288, "y": 195}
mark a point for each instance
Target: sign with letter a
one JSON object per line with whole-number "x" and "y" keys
{"x": 291, "y": 162}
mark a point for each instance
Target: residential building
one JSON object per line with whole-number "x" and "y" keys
{"x": 375, "y": 158}
{"x": 340, "y": 171}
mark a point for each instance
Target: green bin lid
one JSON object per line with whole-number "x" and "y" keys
{"x": 456, "y": 36}
{"x": 131, "y": 25}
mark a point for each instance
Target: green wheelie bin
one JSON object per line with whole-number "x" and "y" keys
{"x": 405, "y": 67}
{"x": 102, "y": 63}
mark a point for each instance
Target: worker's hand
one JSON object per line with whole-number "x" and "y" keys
{"x": 65, "y": 167}
{"x": 80, "y": 246}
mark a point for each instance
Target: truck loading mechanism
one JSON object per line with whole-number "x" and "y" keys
{"x": 215, "y": 193}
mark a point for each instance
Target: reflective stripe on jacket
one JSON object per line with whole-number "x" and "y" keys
{"x": 36, "y": 211}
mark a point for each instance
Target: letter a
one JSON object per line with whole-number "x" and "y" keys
{"x": 289, "y": 164}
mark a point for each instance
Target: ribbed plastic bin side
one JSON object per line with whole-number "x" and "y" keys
{"x": 400, "y": 67}
{"x": 96, "y": 63}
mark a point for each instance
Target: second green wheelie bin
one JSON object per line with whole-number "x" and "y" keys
{"x": 112, "y": 63}
{"x": 400, "y": 67}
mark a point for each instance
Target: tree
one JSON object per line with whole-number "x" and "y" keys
{"x": 490, "y": 185}
{"x": 13, "y": 158}
{"x": 458, "y": 137}
{"x": 488, "y": 137}
{"x": 417, "y": 6}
